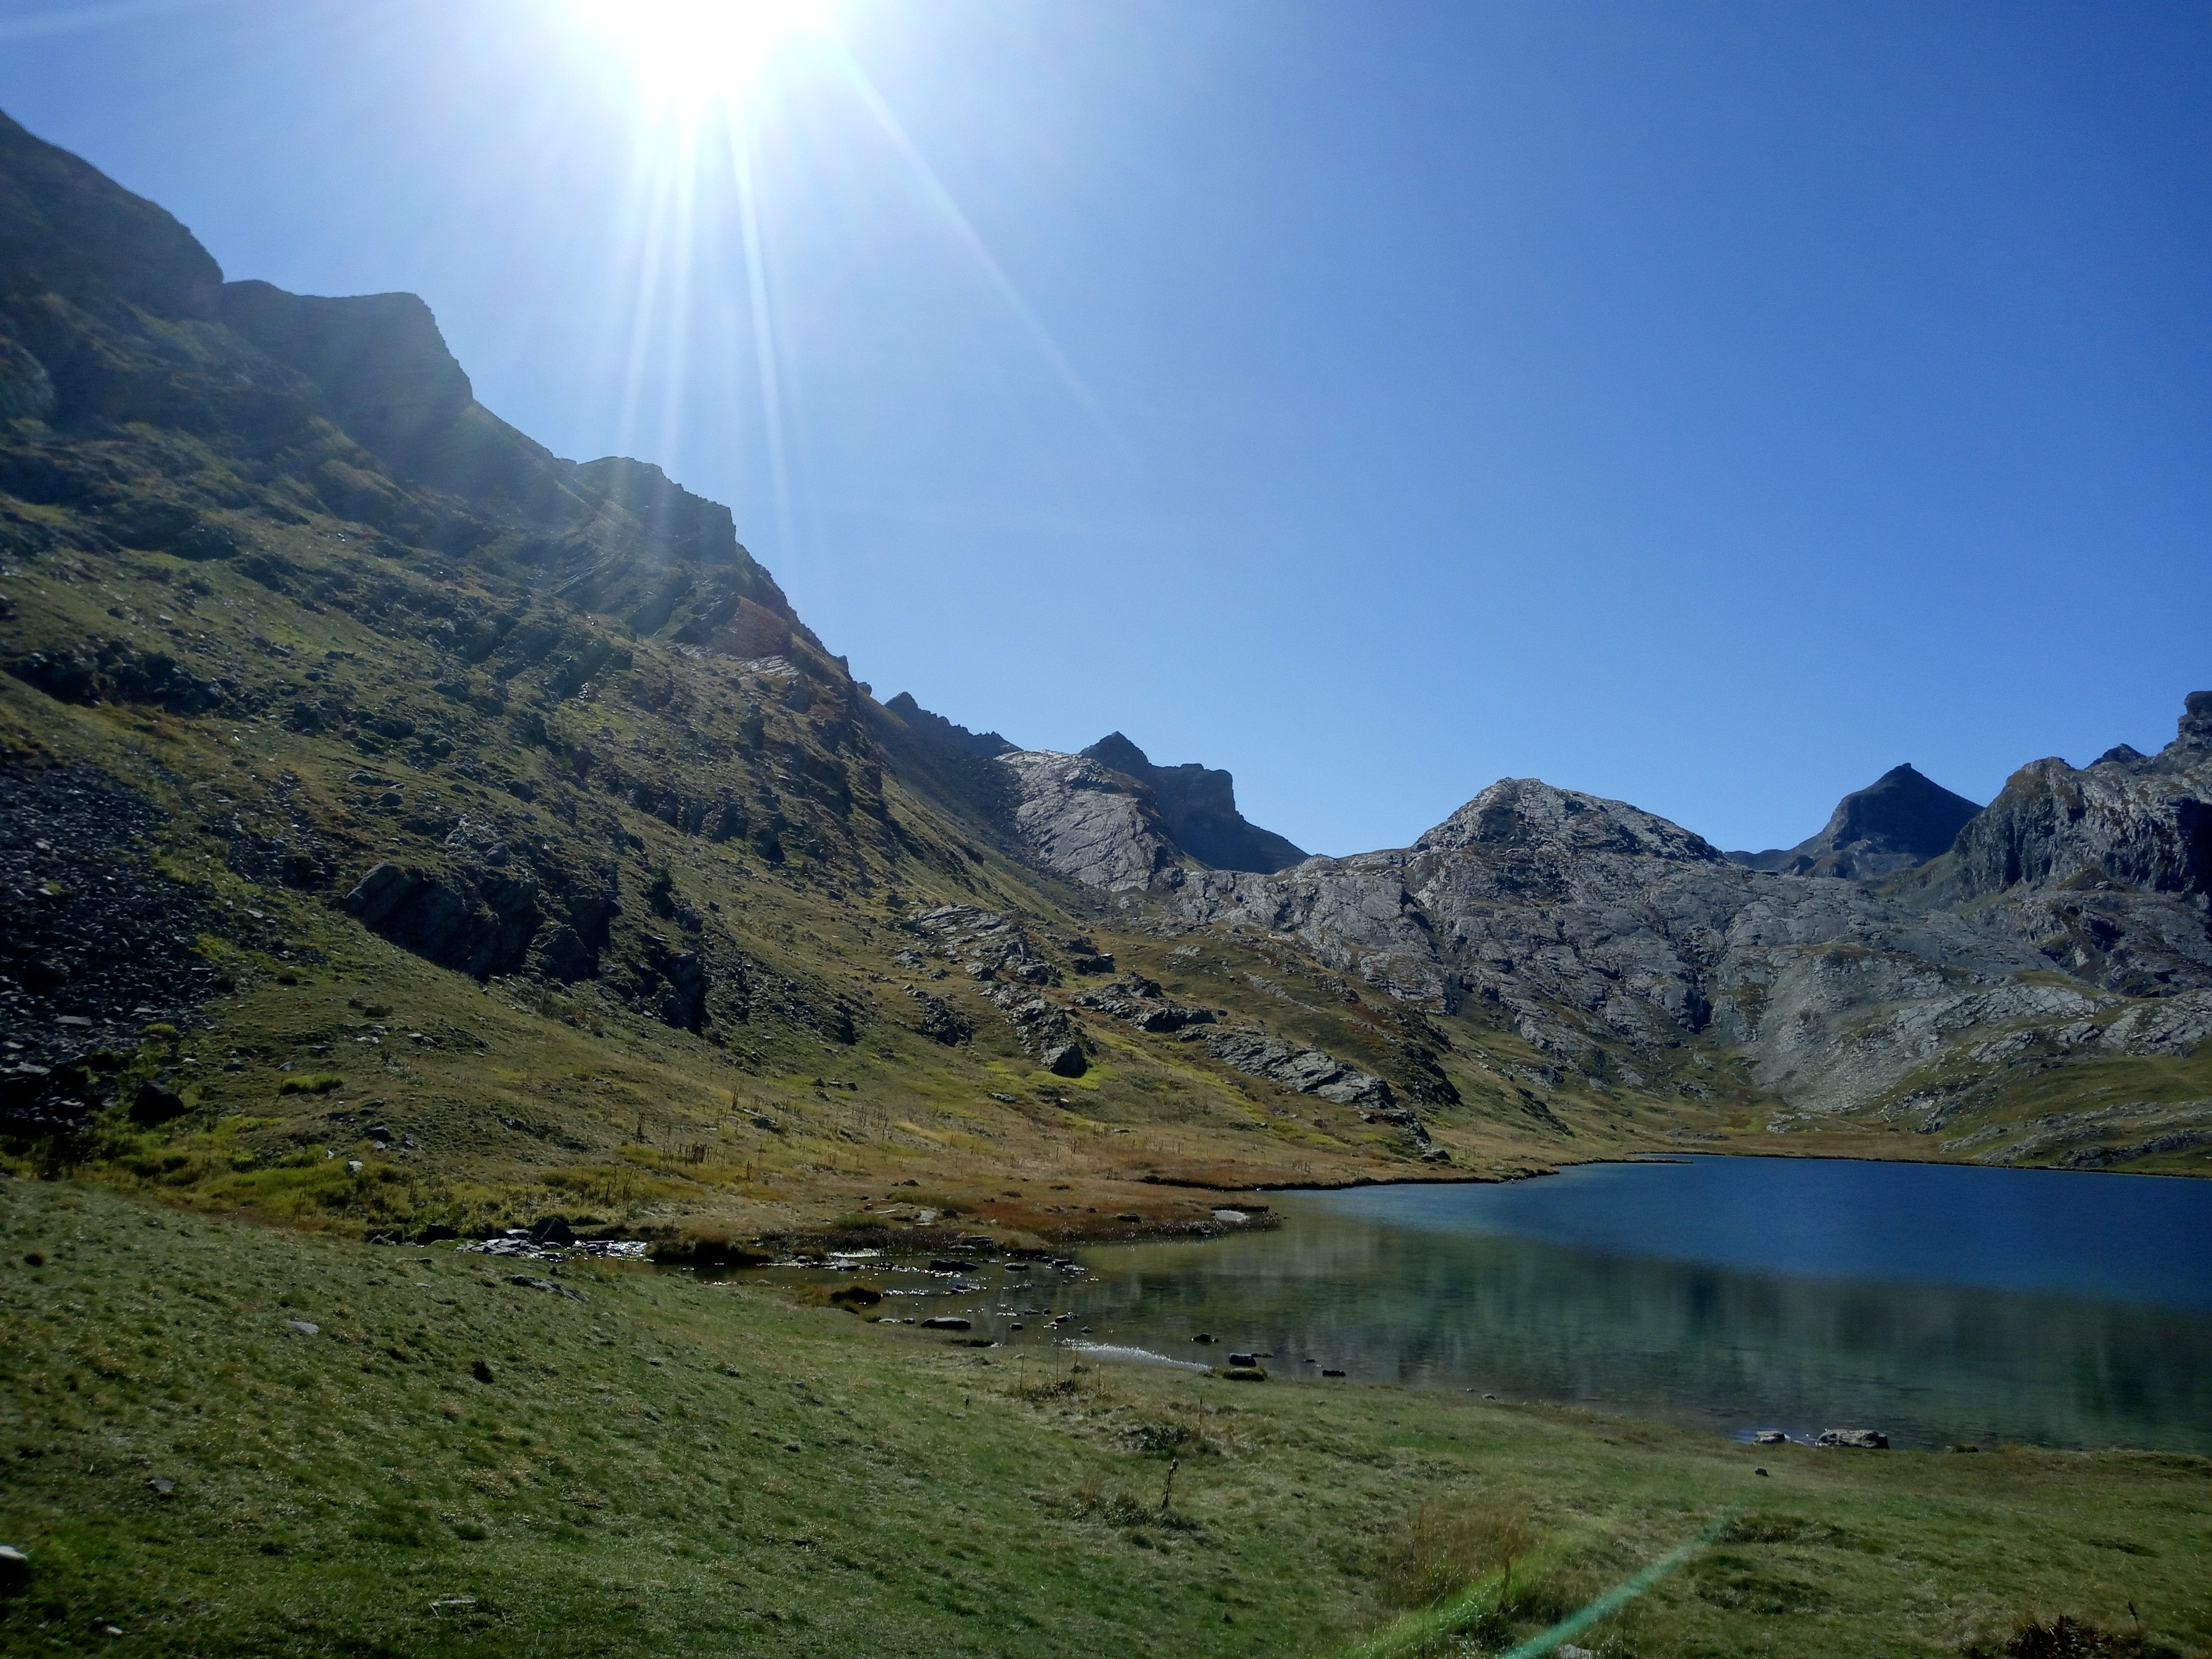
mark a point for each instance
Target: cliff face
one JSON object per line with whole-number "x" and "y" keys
{"x": 1199, "y": 805}
{"x": 2126, "y": 820}
{"x": 1896, "y": 823}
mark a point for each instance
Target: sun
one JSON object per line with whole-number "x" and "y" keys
{"x": 687, "y": 55}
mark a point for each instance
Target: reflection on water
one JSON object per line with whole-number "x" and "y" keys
{"x": 1476, "y": 1288}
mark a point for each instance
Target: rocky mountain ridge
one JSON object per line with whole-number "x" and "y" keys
{"x": 394, "y": 696}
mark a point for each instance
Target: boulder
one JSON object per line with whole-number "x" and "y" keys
{"x": 1866, "y": 1439}
{"x": 947, "y": 1322}
{"x": 1065, "y": 1059}
{"x": 157, "y": 1103}
{"x": 552, "y": 1232}
{"x": 15, "y": 1569}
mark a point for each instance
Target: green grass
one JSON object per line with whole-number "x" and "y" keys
{"x": 677, "y": 1467}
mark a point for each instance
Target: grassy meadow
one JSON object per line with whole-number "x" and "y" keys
{"x": 636, "y": 1461}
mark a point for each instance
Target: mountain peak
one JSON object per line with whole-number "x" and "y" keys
{"x": 1199, "y": 805}
{"x": 1901, "y": 819}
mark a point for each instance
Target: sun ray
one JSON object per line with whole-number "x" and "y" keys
{"x": 764, "y": 332}
{"x": 963, "y": 231}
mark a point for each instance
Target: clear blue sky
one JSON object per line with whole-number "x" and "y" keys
{"x": 1707, "y": 405}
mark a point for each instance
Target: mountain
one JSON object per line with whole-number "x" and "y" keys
{"x": 403, "y": 825}
{"x": 2067, "y": 928}
{"x": 1199, "y": 807}
{"x": 1900, "y": 820}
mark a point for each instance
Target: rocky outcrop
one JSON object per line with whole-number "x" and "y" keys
{"x": 1044, "y": 1028}
{"x": 1899, "y": 821}
{"x": 1309, "y": 1071}
{"x": 1087, "y": 822}
{"x": 479, "y": 921}
{"x": 1141, "y": 1003}
{"x": 989, "y": 744}
{"x": 488, "y": 907}
{"x": 1199, "y": 807}
{"x": 988, "y": 945}
{"x": 2141, "y": 823}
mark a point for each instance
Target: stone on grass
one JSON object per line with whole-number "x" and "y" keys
{"x": 1065, "y": 1059}
{"x": 157, "y": 1103}
{"x": 15, "y": 1568}
{"x": 947, "y": 1322}
{"x": 303, "y": 1327}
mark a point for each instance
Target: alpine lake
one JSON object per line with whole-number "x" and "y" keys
{"x": 1941, "y": 1305}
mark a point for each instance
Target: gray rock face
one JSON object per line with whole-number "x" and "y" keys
{"x": 1199, "y": 805}
{"x": 1586, "y": 922}
{"x": 2140, "y": 823}
{"x": 1899, "y": 821}
{"x": 1309, "y": 1071}
{"x": 1087, "y": 822}
{"x": 1043, "y": 1026}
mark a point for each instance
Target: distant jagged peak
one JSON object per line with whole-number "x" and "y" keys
{"x": 2194, "y": 739}
{"x": 1117, "y": 752}
{"x": 989, "y": 744}
{"x": 1199, "y": 804}
{"x": 1900, "y": 820}
{"x": 1531, "y": 816}
{"x": 2191, "y": 748}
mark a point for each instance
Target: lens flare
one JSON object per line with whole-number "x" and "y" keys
{"x": 687, "y": 54}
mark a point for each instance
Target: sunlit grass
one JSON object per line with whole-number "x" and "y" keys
{"x": 455, "y": 1463}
